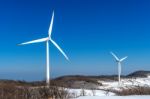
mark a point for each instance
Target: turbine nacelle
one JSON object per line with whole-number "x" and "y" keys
{"x": 118, "y": 61}
{"x": 47, "y": 39}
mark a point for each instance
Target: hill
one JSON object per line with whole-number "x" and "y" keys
{"x": 140, "y": 73}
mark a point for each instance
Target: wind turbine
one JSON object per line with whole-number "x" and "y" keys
{"x": 46, "y": 40}
{"x": 119, "y": 65}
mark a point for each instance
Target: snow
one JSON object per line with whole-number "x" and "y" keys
{"x": 125, "y": 83}
{"x": 78, "y": 92}
{"x": 103, "y": 93}
{"x": 114, "y": 97}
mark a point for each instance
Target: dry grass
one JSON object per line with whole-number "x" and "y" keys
{"x": 13, "y": 91}
{"x": 134, "y": 91}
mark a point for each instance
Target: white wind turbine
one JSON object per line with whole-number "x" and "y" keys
{"x": 46, "y": 40}
{"x": 119, "y": 65}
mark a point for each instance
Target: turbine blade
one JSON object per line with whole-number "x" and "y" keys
{"x": 34, "y": 41}
{"x": 57, "y": 46}
{"x": 123, "y": 58}
{"x": 51, "y": 25}
{"x": 114, "y": 56}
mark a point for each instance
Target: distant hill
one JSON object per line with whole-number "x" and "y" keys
{"x": 140, "y": 73}
{"x": 77, "y": 81}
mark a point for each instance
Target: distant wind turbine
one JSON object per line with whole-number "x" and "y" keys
{"x": 47, "y": 39}
{"x": 119, "y": 65}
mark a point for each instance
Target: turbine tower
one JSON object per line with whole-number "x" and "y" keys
{"x": 47, "y": 40}
{"x": 119, "y": 65}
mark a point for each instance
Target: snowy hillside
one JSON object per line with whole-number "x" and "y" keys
{"x": 102, "y": 92}
{"x": 80, "y": 92}
{"x": 125, "y": 83}
{"x": 115, "y": 97}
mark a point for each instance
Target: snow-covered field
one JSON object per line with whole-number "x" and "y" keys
{"x": 103, "y": 93}
{"x": 114, "y": 97}
{"x": 79, "y": 92}
{"x": 125, "y": 83}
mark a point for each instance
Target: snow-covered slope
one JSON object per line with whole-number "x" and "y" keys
{"x": 103, "y": 91}
{"x": 125, "y": 83}
{"x": 114, "y": 97}
{"x": 79, "y": 92}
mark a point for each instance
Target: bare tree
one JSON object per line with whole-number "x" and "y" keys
{"x": 93, "y": 91}
{"x": 83, "y": 93}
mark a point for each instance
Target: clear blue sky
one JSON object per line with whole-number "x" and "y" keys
{"x": 87, "y": 30}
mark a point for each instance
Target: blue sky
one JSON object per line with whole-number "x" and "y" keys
{"x": 87, "y": 30}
